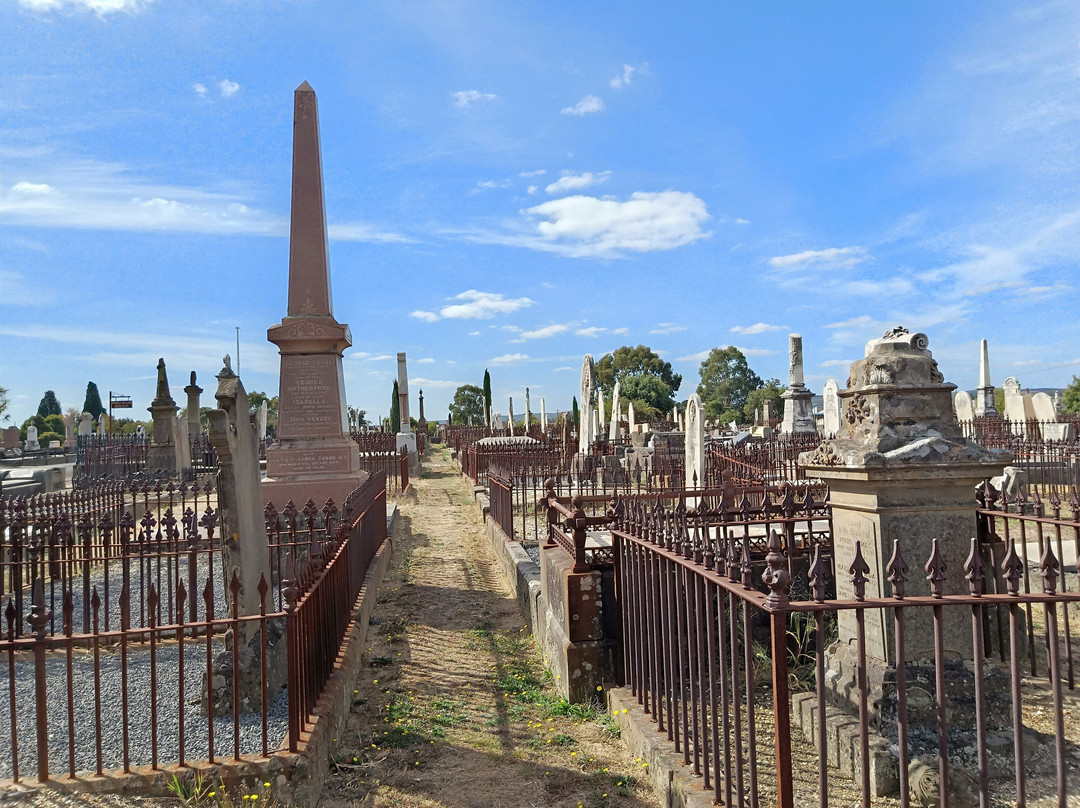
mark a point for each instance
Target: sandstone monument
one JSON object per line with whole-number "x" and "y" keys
{"x": 312, "y": 456}
{"x": 798, "y": 400}
{"x": 163, "y": 410}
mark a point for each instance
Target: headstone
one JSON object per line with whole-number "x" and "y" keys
{"x": 630, "y": 418}
{"x": 984, "y": 395}
{"x": 766, "y": 412}
{"x": 588, "y": 384}
{"x": 32, "y": 444}
{"x": 965, "y": 408}
{"x": 69, "y": 431}
{"x": 12, "y": 438}
{"x": 601, "y": 421}
{"x": 244, "y": 546}
{"x": 183, "y": 442}
{"x": 103, "y": 424}
{"x": 86, "y": 424}
{"x": 798, "y": 400}
{"x": 694, "y": 446}
{"x": 1018, "y": 407}
{"x": 163, "y": 412}
{"x": 831, "y": 406}
{"x": 193, "y": 392}
{"x": 1043, "y": 407}
{"x": 900, "y": 469}
{"x": 140, "y": 432}
{"x": 264, "y": 412}
{"x": 511, "y": 416}
{"x": 543, "y": 415}
{"x": 528, "y": 413}
{"x": 312, "y": 455}
{"x": 613, "y": 432}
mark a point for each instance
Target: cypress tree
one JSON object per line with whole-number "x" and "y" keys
{"x": 92, "y": 403}
{"x": 487, "y": 397}
{"x": 574, "y": 412}
{"x": 395, "y": 412}
{"x": 49, "y": 404}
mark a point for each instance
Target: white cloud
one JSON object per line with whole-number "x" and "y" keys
{"x": 862, "y": 321}
{"x": 576, "y": 182}
{"x": 32, "y": 188}
{"x": 667, "y": 328}
{"x": 757, "y": 328}
{"x": 742, "y": 221}
{"x": 22, "y": 291}
{"x": 200, "y": 89}
{"x": 836, "y": 363}
{"x": 228, "y": 88}
{"x": 537, "y": 173}
{"x": 508, "y": 359}
{"x": 838, "y": 257}
{"x": 591, "y": 331}
{"x": 100, "y": 7}
{"x": 477, "y": 305}
{"x": 623, "y": 79}
{"x": 359, "y": 231}
{"x": 620, "y": 331}
{"x": 425, "y": 361}
{"x": 532, "y": 189}
{"x": 488, "y": 185}
{"x": 466, "y": 98}
{"x": 586, "y": 105}
{"x": 586, "y": 226}
{"x": 543, "y": 332}
{"x": 700, "y": 356}
{"x": 757, "y": 351}
{"x": 474, "y": 333}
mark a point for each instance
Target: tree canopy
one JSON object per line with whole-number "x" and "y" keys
{"x": 1070, "y": 400}
{"x": 255, "y": 400}
{"x": 92, "y": 402}
{"x": 770, "y": 390}
{"x": 49, "y": 404}
{"x": 4, "y": 414}
{"x": 643, "y": 377}
{"x": 726, "y": 384}
{"x": 486, "y": 393}
{"x": 468, "y": 404}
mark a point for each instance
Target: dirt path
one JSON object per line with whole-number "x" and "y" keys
{"x": 453, "y": 707}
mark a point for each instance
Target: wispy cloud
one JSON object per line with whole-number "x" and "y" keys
{"x": 100, "y": 7}
{"x": 489, "y": 185}
{"x": 543, "y": 332}
{"x": 200, "y": 89}
{"x": 837, "y": 363}
{"x": 757, "y": 328}
{"x": 537, "y": 173}
{"x": 476, "y": 305}
{"x": 228, "y": 88}
{"x": 667, "y": 328}
{"x": 837, "y": 257}
{"x": 569, "y": 181}
{"x": 422, "y": 382}
{"x": 585, "y": 106}
{"x": 466, "y": 98}
{"x": 100, "y": 196}
{"x": 425, "y": 361}
{"x": 22, "y": 291}
{"x": 623, "y": 79}
{"x": 508, "y": 359}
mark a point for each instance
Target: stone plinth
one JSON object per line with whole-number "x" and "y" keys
{"x": 798, "y": 400}
{"x": 313, "y": 456}
{"x": 899, "y": 469}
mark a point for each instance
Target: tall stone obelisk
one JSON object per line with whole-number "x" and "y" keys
{"x": 313, "y": 456}
{"x": 984, "y": 395}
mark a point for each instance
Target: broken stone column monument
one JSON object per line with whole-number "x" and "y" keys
{"x": 899, "y": 469}
{"x": 245, "y": 552}
{"x": 798, "y": 400}
{"x": 586, "y": 436}
{"x": 313, "y": 456}
{"x": 163, "y": 411}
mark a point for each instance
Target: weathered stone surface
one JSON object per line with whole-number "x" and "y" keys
{"x": 163, "y": 450}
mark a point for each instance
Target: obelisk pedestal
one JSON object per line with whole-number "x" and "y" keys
{"x": 405, "y": 437}
{"x": 163, "y": 410}
{"x": 313, "y": 456}
{"x": 798, "y": 400}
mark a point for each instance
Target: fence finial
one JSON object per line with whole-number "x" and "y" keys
{"x": 895, "y": 569}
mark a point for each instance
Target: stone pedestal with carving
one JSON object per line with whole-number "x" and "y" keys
{"x": 313, "y": 456}
{"x": 901, "y": 478}
{"x": 163, "y": 411}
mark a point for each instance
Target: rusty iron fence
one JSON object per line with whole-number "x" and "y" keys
{"x": 393, "y": 463}
{"x": 110, "y": 455}
{"x": 127, "y": 615}
{"x": 1047, "y": 451}
{"x": 770, "y": 461}
{"x": 714, "y": 646}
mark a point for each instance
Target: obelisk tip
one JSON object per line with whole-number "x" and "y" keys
{"x": 304, "y": 88}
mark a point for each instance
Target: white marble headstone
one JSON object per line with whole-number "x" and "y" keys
{"x": 831, "y": 406}
{"x": 964, "y": 406}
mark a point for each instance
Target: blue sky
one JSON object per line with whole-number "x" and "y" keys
{"x": 513, "y": 185}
